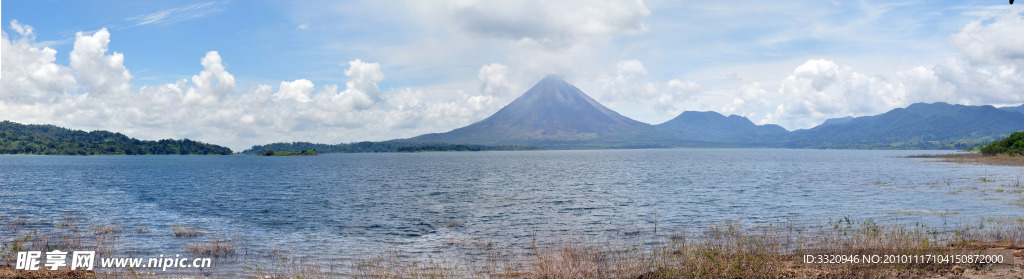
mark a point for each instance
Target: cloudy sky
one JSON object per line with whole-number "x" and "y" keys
{"x": 239, "y": 73}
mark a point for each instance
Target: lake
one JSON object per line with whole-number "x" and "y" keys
{"x": 339, "y": 207}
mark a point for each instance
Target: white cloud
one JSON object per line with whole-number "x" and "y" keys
{"x": 751, "y": 101}
{"x": 29, "y": 72}
{"x": 579, "y": 43}
{"x": 495, "y": 80}
{"x": 979, "y": 84}
{"x": 98, "y": 72}
{"x": 207, "y": 107}
{"x": 298, "y": 90}
{"x": 628, "y": 87}
{"x": 23, "y": 30}
{"x": 683, "y": 89}
{"x": 631, "y": 68}
{"x": 678, "y": 93}
{"x": 627, "y": 83}
{"x": 212, "y": 84}
{"x": 997, "y": 42}
{"x": 923, "y": 85}
{"x": 820, "y": 89}
{"x": 361, "y": 91}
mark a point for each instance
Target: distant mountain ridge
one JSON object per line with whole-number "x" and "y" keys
{"x": 554, "y": 114}
{"x": 1019, "y": 109}
{"x": 920, "y": 125}
{"x": 709, "y": 126}
{"x": 837, "y": 121}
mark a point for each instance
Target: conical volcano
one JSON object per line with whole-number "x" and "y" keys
{"x": 552, "y": 111}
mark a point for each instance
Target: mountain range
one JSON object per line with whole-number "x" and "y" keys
{"x": 556, "y": 114}
{"x": 1014, "y": 109}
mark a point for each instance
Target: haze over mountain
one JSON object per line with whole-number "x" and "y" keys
{"x": 836, "y": 121}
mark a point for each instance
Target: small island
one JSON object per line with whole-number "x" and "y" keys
{"x": 305, "y": 152}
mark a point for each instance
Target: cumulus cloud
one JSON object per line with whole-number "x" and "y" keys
{"x": 997, "y": 42}
{"x": 751, "y": 101}
{"x": 298, "y": 90}
{"x": 978, "y": 84}
{"x": 98, "y": 72}
{"x": 820, "y": 89}
{"x": 989, "y": 72}
{"x": 362, "y": 91}
{"x": 29, "y": 72}
{"x": 679, "y": 92}
{"x": 627, "y": 85}
{"x": 23, "y": 30}
{"x": 95, "y": 92}
{"x": 630, "y": 68}
{"x": 212, "y": 84}
{"x": 495, "y": 80}
{"x": 683, "y": 89}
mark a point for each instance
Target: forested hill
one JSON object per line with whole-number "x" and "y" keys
{"x": 918, "y": 126}
{"x": 16, "y": 138}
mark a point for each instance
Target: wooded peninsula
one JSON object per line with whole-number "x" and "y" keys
{"x": 16, "y": 138}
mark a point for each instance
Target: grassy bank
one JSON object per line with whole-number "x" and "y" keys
{"x": 722, "y": 251}
{"x": 973, "y": 157}
{"x": 730, "y": 251}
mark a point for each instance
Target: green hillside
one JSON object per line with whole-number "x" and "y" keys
{"x": 16, "y": 138}
{"x": 919, "y": 126}
{"x": 1012, "y": 145}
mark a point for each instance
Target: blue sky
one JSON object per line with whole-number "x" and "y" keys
{"x": 240, "y": 73}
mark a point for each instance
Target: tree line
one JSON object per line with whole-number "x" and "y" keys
{"x": 1012, "y": 145}
{"x": 16, "y": 138}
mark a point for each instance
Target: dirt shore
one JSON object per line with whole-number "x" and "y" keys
{"x": 978, "y": 158}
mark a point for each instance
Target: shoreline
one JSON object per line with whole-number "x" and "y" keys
{"x": 974, "y": 157}
{"x": 727, "y": 250}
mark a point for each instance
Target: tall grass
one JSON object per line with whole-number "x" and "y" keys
{"x": 727, "y": 250}
{"x": 724, "y": 251}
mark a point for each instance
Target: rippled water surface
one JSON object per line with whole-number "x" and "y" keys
{"x": 344, "y": 206}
